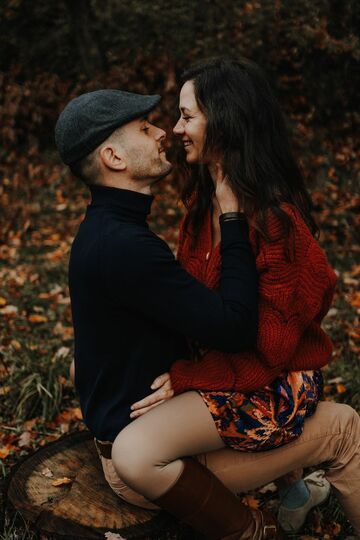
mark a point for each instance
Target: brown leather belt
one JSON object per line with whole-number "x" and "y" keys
{"x": 104, "y": 448}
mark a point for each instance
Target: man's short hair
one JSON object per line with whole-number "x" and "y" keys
{"x": 88, "y": 169}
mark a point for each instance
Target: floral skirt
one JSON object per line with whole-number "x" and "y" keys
{"x": 269, "y": 417}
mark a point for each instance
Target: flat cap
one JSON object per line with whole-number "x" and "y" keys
{"x": 90, "y": 118}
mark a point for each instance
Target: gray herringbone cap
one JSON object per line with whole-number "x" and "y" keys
{"x": 90, "y": 118}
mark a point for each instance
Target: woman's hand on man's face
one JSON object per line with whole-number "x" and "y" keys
{"x": 227, "y": 199}
{"x": 163, "y": 392}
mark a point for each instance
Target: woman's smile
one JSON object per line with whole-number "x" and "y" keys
{"x": 191, "y": 126}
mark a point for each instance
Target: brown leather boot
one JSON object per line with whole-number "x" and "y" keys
{"x": 199, "y": 499}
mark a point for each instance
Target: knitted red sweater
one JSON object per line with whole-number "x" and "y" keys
{"x": 296, "y": 286}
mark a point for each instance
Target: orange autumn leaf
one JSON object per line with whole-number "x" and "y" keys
{"x": 3, "y": 301}
{"x": 15, "y": 344}
{"x": 355, "y": 299}
{"x": 5, "y": 450}
{"x": 340, "y": 388}
{"x": 355, "y": 270}
{"x": 61, "y": 481}
{"x": 29, "y": 424}
{"x": 68, "y": 415}
{"x": 66, "y": 332}
{"x": 355, "y": 333}
{"x": 37, "y": 318}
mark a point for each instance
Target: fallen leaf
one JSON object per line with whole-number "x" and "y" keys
{"x": 355, "y": 299}
{"x": 24, "y": 439}
{"x": 29, "y": 424}
{"x": 3, "y": 301}
{"x": 46, "y": 472}
{"x": 37, "y": 318}
{"x": 68, "y": 415}
{"x": 15, "y": 344}
{"x": 355, "y": 270}
{"x": 61, "y": 481}
{"x": 355, "y": 333}
{"x": 62, "y": 352}
{"x": 5, "y": 450}
{"x": 66, "y": 332}
{"x": 340, "y": 388}
{"x": 64, "y": 428}
{"x": 9, "y": 310}
{"x": 335, "y": 380}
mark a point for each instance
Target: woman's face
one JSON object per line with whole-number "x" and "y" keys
{"x": 191, "y": 126}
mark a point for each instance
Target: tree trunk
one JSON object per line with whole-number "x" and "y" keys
{"x": 82, "y": 506}
{"x": 88, "y": 50}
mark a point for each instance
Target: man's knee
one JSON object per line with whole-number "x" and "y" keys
{"x": 345, "y": 425}
{"x": 345, "y": 418}
{"x": 335, "y": 418}
{"x": 350, "y": 423}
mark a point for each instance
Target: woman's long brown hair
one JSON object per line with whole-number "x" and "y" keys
{"x": 246, "y": 127}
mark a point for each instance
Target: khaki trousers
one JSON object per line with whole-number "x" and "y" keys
{"x": 331, "y": 439}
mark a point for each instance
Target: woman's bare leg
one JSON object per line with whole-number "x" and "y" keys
{"x": 146, "y": 454}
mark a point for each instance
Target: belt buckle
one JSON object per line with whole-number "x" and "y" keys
{"x": 272, "y": 529}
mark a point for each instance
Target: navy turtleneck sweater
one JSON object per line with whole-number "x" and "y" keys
{"x": 133, "y": 305}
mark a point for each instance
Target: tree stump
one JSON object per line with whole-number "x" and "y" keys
{"x": 85, "y": 508}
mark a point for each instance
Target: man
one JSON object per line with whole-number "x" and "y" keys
{"x": 132, "y": 303}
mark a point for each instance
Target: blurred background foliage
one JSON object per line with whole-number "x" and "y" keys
{"x": 52, "y": 51}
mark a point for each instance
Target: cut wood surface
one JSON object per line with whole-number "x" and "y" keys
{"x": 82, "y": 505}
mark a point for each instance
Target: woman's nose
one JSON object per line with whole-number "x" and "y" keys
{"x": 178, "y": 129}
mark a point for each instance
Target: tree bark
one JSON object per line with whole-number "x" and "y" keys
{"x": 82, "y": 506}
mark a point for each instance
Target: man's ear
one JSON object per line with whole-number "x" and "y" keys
{"x": 112, "y": 157}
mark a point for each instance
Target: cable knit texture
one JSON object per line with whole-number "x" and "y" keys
{"x": 296, "y": 287}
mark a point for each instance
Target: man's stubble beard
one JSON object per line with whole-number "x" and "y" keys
{"x": 154, "y": 169}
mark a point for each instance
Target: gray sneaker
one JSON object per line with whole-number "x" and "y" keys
{"x": 291, "y": 520}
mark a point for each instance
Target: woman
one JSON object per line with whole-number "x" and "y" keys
{"x": 260, "y": 399}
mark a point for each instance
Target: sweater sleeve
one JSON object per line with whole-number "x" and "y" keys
{"x": 296, "y": 288}
{"x": 142, "y": 275}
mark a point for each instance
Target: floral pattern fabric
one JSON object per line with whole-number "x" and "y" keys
{"x": 269, "y": 417}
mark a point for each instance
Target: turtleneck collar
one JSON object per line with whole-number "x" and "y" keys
{"x": 129, "y": 204}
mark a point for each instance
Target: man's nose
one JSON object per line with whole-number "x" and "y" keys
{"x": 178, "y": 129}
{"x": 160, "y": 134}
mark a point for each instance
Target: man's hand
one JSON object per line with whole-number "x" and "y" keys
{"x": 163, "y": 392}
